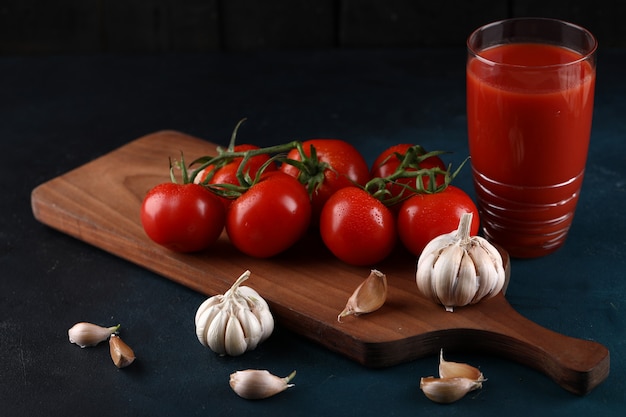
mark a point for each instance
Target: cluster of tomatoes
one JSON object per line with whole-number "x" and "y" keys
{"x": 267, "y": 201}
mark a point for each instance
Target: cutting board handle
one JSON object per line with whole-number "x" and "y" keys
{"x": 577, "y": 365}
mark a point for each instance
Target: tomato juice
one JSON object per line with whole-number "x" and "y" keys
{"x": 529, "y": 109}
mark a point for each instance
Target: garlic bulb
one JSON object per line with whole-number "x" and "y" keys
{"x": 456, "y": 269}
{"x": 254, "y": 384}
{"x": 121, "y": 354}
{"x": 88, "y": 334}
{"x": 234, "y": 322}
{"x": 369, "y": 296}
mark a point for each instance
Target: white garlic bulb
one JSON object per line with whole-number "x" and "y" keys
{"x": 234, "y": 322}
{"x": 456, "y": 269}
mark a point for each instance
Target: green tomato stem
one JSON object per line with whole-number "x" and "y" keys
{"x": 228, "y": 155}
{"x": 409, "y": 168}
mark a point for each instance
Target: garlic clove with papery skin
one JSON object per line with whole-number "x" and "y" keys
{"x": 216, "y": 332}
{"x": 369, "y": 296}
{"x": 448, "y": 369}
{"x": 454, "y": 382}
{"x": 261, "y": 311}
{"x": 121, "y": 354}
{"x": 255, "y": 384}
{"x": 88, "y": 334}
{"x": 235, "y": 340}
{"x": 447, "y": 390}
{"x": 254, "y": 328}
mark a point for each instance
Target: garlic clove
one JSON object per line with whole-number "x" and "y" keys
{"x": 267, "y": 320}
{"x": 445, "y": 274}
{"x": 88, "y": 334}
{"x": 506, "y": 265}
{"x": 423, "y": 274}
{"x": 448, "y": 369}
{"x": 254, "y": 384}
{"x": 251, "y": 326}
{"x": 490, "y": 269}
{"x": 121, "y": 354}
{"x": 203, "y": 322}
{"x": 369, "y": 296}
{"x": 216, "y": 332}
{"x": 465, "y": 288}
{"x": 261, "y": 310}
{"x": 447, "y": 390}
{"x": 234, "y": 338}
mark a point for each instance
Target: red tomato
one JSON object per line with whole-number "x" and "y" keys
{"x": 357, "y": 228}
{"x": 270, "y": 216}
{"x": 387, "y": 162}
{"x": 182, "y": 217}
{"x": 423, "y": 217}
{"x": 342, "y": 165}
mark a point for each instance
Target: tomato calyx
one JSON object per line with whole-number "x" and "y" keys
{"x": 410, "y": 168}
{"x": 311, "y": 169}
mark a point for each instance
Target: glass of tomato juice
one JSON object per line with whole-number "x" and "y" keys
{"x": 530, "y": 90}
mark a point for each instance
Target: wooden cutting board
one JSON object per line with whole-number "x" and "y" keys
{"x": 306, "y": 287}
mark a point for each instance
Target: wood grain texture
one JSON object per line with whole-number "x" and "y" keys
{"x": 306, "y": 287}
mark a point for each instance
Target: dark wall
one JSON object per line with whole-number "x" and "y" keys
{"x": 128, "y": 26}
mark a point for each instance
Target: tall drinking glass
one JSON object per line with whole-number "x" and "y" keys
{"x": 530, "y": 89}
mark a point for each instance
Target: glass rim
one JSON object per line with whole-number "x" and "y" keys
{"x": 585, "y": 56}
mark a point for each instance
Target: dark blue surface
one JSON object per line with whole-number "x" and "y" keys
{"x": 57, "y": 113}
